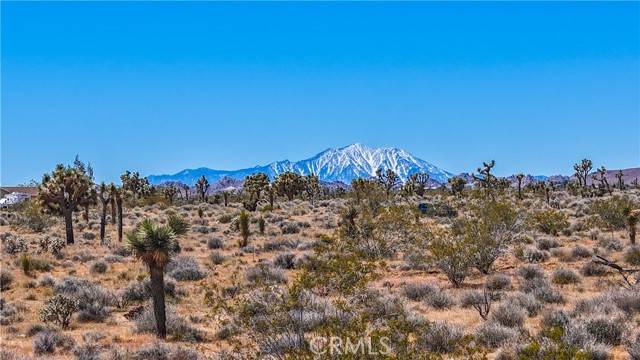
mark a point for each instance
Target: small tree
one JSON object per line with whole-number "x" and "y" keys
{"x": 185, "y": 191}
{"x": 419, "y": 182}
{"x": 62, "y": 192}
{"x": 601, "y": 177}
{"x": 170, "y": 191}
{"x": 58, "y": 310}
{"x": 202, "y": 186}
{"x": 388, "y": 179}
{"x": 243, "y": 224}
{"x": 519, "y": 178}
{"x": 582, "y": 170}
{"x": 289, "y": 184}
{"x": 452, "y": 255}
{"x": 549, "y": 221}
{"x": 620, "y": 177}
{"x": 613, "y": 213}
{"x": 155, "y": 245}
{"x": 457, "y": 185}
{"x": 311, "y": 186}
{"x": 253, "y": 186}
{"x": 135, "y": 184}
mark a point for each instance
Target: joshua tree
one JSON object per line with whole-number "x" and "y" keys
{"x": 620, "y": 177}
{"x": 116, "y": 196}
{"x": 135, "y": 184}
{"x": 601, "y": 177}
{"x": 244, "y": 228}
{"x": 289, "y": 184}
{"x": 170, "y": 192}
{"x": 253, "y": 185}
{"x": 520, "y": 177}
{"x": 62, "y": 192}
{"x": 419, "y": 182}
{"x": 311, "y": 186}
{"x": 582, "y": 170}
{"x": 105, "y": 198}
{"x": 457, "y": 185}
{"x": 202, "y": 186}
{"x": 155, "y": 244}
{"x": 388, "y": 179}
{"x": 271, "y": 193}
{"x": 486, "y": 179}
{"x": 112, "y": 205}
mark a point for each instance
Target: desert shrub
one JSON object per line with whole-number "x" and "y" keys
{"x": 495, "y": 335}
{"x": 498, "y": 282}
{"x": 509, "y": 314}
{"x": 592, "y": 268}
{"x": 8, "y": 313}
{"x": 215, "y": 243}
{"x": 529, "y": 272}
{"x": 35, "y": 329}
{"x": 606, "y": 330}
{"x": 610, "y": 243}
{"x": 47, "y": 281}
{"x": 534, "y": 255}
{"x": 439, "y": 299}
{"x": 88, "y": 235}
{"x": 52, "y": 244}
{"x": 546, "y": 243}
{"x": 31, "y": 216}
{"x": 225, "y": 218}
{"x": 122, "y": 251}
{"x": 88, "y": 351}
{"x": 633, "y": 348}
{"x": 471, "y": 298}
{"x": 580, "y": 252}
{"x": 289, "y": 228}
{"x": 185, "y": 268}
{"x": 542, "y": 290}
{"x": 285, "y": 261}
{"x": 263, "y": 273}
{"x": 227, "y": 331}
{"x": 216, "y": 258}
{"x": 452, "y": 256}
{"x": 549, "y": 221}
{"x": 632, "y": 255}
{"x": 555, "y": 318}
{"x": 92, "y": 300}
{"x": 277, "y": 245}
{"x": 612, "y": 212}
{"x": 177, "y": 327}
{"x": 47, "y": 341}
{"x": 113, "y": 258}
{"x": 417, "y": 292}
{"x": 6, "y": 279}
{"x": 441, "y": 337}
{"x": 58, "y": 310}
{"x": 12, "y": 245}
{"x": 141, "y": 290}
{"x": 99, "y": 267}
{"x": 565, "y": 276}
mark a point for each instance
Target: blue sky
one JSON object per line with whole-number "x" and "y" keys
{"x": 159, "y": 87}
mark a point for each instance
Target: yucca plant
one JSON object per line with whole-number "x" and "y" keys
{"x": 244, "y": 228}
{"x": 155, "y": 244}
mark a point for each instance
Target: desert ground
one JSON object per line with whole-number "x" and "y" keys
{"x": 548, "y": 296}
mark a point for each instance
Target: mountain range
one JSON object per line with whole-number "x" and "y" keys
{"x": 332, "y": 165}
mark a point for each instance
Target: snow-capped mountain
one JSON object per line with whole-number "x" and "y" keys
{"x": 342, "y": 164}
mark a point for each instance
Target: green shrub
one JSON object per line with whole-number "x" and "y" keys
{"x": 549, "y": 221}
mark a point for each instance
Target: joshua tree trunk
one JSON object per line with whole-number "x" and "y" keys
{"x": 225, "y": 196}
{"x": 119, "y": 205}
{"x": 86, "y": 213}
{"x": 519, "y": 190}
{"x": 157, "y": 292}
{"x": 103, "y": 221}
{"x": 113, "y": 211}
{"x": 632, "y": 234}
{"x": 68, "y": 223}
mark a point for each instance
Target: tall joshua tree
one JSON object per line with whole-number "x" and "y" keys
{"x": 311, "y": 186}
{"x": 62, "y": 191}
{"x": 202, "y": 186}
{"x": 253, "y": 185}
{"x": 289, "y": 184}
{"x": 601, "y": 177}
{"x": 419, "y": 182}
{"x": 170, "y": 192}
{"x": 155, "y": 244}
{"x": 185, "y": 190}
{"x": 620, "y": 177}
{"x": 116, "y": 196}
{"x": 388, "y": 179}
{"x": 520, "y": 177}
{"x": 105, "y": 199}
{"x": 582, "y": 170}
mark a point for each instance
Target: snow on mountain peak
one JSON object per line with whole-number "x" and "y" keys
{"x": 334, "y": 164}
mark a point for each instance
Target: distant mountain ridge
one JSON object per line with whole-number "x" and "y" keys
{"x": 342, "y": 164}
